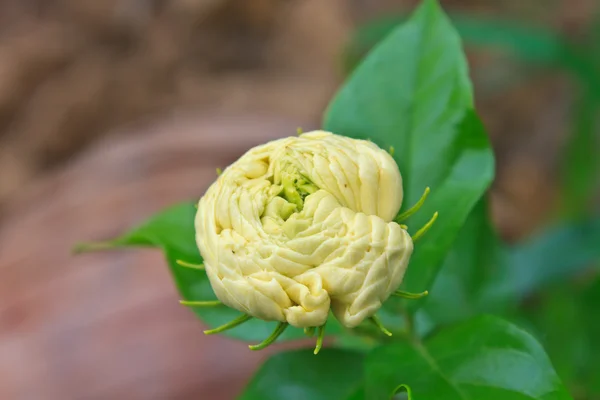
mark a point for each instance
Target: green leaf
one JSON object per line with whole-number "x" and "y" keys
{"x": 413, "y": 93}
{"x": 474, "y": 259}
{"x": 484, "y": 358}
{"x": 172, "y": 230}
{"x": 333, "y": 374}
{"x": 359, "y": 394}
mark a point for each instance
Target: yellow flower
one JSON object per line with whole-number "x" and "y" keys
{"x": 302, "y": 225}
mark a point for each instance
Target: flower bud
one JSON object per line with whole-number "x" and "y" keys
{"x": 303, "y": 225}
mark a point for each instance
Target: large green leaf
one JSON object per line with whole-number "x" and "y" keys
{"x": 173, "y": 231}
{"x": 475, "y": 257}
{"x": 485, "y": 358}
{"x": 413, "y": 93}
{"x": 333, "y": 374}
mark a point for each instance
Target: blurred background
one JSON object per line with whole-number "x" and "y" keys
{"x": 111, "y": 110}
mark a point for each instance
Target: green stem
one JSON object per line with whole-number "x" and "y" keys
{"x": 310, "y": 332}
{"x": 424, "y": 229}
{"x": 408, "y": 295}
{"x": 375, "y": 319}
{"x": 404, "y": 387}
{"x": 189, "y": 265}
{"x": 320, "y": 337}
{"x": 211, "y": 303}
{"x": 268, "y": 341}
{"x": 414, "y": 208}
{"x": 232, "y": 324}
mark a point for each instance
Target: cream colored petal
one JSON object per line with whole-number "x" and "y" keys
{"x": 301, "y": 226}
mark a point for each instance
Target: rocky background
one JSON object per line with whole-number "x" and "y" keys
{"x": 110, "y": 110}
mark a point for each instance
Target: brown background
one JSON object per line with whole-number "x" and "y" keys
{"x": 113, "y": 109}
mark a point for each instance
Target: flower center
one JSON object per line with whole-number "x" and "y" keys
{"x": 295, "y": 187}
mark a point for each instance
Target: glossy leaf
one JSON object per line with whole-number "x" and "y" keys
{"x": 172, "y": 228}
{"x": 484, "y": 358}
{"x": 173, "y": 231}
{"x": 474, "y": 259}
{"x": 413, "y": 93}
{"x": 300, "y": 375}
{"x": 359, "y": 394}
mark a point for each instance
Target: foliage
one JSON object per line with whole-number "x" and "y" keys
{"x": 295, "y": 375}
{"x": 539, "y": 47}
{"x": 481, "y": 274}
{"x": 172, "y": 231}
{"x": 484, "y": 358}
{"x": 412, "y": 92}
